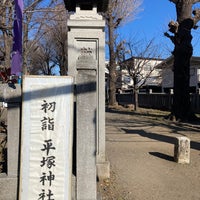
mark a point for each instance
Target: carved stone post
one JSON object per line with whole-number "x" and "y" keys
{"x": 86, "y": 62}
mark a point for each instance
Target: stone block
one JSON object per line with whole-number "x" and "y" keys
{"x": 103, "y": 170}
{"x": 13, "y": 118}
{"x": 182, "y": 150}
{"x": 8, "y": 187}
{"x": 10, "y": 93}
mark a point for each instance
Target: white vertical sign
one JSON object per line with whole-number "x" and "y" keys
{"x": 46, "y": 148}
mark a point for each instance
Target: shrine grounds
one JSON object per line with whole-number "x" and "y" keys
{"x": 140, "y": 148}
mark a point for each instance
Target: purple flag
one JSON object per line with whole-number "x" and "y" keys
{"x": 16, "y": 66}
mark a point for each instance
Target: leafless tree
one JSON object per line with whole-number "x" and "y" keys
{"x": 181, "y": 37}
{"x": 139, "y": 60}
{"x": 47, "y": 25}
{"x": 57, "y": 31}
{"x": 44, "y": 26}
{"x": 6, "y": 36}
{"x": 119, "y": 12}
{"x": 35, "y": 13}
{"x": 40, "y": 58}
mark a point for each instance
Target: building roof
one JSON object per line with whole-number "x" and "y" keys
{"x": 143, "y": 58}
{"x": 168, "y": 63}
{"x": 102, "y": 5}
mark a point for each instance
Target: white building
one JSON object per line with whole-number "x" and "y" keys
{"x": 145, "y": 72}
{"x": 168, "y": 75}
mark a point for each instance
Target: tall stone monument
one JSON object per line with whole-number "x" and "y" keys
{"x": 86, "y": 63}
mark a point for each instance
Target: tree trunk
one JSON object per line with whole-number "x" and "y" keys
{"x": 182, "y": 54}
{"x": 181, "y": 101}
{"x": 25, "y": 48}
{"x": 8, "y": 43}
{"x": 7, "y": 37}
{"x": 112, "y": 65}
{"x": 136, "y": 99}
{"x": 135, "y": 90}
{"x": 63, "y": 61}
{"x": 182, "y": 39}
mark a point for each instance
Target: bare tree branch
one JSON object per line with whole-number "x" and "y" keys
{"x": 119, "y": 12}
{"x": 196, "y": 17}
{"x": 138, "y": 65}
{"x": 196, "y": 1}
{"x": 171, "y": 37}
{"x": 6, "y": 25}
{"x": 32, "y": 6}
{"x": 50, "y": 42}
{"x": 173, "y": 1}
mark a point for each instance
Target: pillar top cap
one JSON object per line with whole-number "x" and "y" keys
{"x": 86, "y": 5}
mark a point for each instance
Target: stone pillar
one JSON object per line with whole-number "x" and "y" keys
{"x": 86, "y": 128}
{"x": 11, "y": 94}
{"x": 13, "y": 139}
{"x": 86, "y": 63}
{"x": 182, "y": 150}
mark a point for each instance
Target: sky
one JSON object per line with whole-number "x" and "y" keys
{"x": 153, "y": 21}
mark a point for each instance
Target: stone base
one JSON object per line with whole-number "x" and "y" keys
{"x": 103, "y": 170}
{"x": 182, "y": 150}
{"x": 8, "y": 187}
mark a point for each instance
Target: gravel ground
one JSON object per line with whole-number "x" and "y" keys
{"x": 140, "y": 148}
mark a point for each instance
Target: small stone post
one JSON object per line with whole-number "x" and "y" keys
{"x": 182, "y": 150}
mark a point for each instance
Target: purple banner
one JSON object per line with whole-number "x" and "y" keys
{"x": 16, "y": 66}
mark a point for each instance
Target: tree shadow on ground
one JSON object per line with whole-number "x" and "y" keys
{"x": 159, "y": 137}
{"x": 113, "y": 110}
{"x": 158, "y": 119}
{"x": 129, "y": 112}
{"x": 143, "y": 112}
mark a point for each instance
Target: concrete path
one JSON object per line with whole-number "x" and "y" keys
{"x": 140, "y": 148}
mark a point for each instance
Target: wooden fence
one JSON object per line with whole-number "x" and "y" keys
{"x": 157, "y": 101}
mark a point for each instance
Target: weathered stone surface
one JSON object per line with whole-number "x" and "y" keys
{"x": 9, "y": 182}
{"x": 182, "y": 150}
{"x": 13, "y": 118}
{"x": 86, "y": 127}
{"x": 103, "y": 170}
{"x": 8, "y": 187}
{"x": 86, "y": 42}
{"x": 86, "y": 62}
{"x": 10, "y": 92}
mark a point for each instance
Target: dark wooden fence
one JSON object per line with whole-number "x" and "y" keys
{"x": 157, "y": 101}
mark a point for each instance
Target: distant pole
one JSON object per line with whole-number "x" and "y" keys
{"x": 16, "y": 65}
